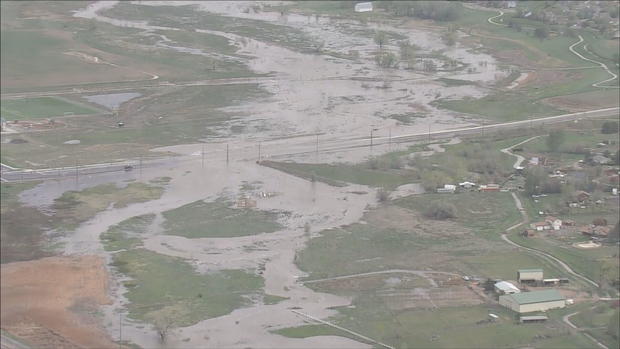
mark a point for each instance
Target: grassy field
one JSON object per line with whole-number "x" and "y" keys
{"x": 166, "y": 288}
{"x": 596, "y": 319}
{"x": 179, "y": 116}
{"x": 486, "y": 214}
{"x": 41, "y": 107}
{"x": 448, "y": 327}
{"x": 76, "y": 207}
{"x": 216, "y": 219}
{"x": 22, "y": 228}
{"x": 126, "y": 234}
{"x": 340, "y": 174}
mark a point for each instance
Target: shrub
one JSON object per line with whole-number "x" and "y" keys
{"x": 441, "y": 210}
{"x": 382, "y": 195}
{"x": 609, "y": 127}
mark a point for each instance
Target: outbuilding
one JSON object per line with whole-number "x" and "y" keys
{"x": 363, "y": 7}
{"x": 527, "y": 302}
{"x": 530, "y": 275}
{"x": 504, "y": 287}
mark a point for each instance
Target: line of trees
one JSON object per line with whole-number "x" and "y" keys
{"x": 435, "y": 10}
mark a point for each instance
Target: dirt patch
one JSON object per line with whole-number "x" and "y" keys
{"x": 549, "y": 77}
{"x": 396, "y": 217}
{"x": 51, "y": 302}
{"x": 429, "y": 298}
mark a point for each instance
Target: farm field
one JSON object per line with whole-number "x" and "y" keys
{"x": 43, "y": 107}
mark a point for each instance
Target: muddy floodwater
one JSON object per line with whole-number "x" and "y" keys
{"x": 112, "y": 101}
{"x": 323, "y": 94}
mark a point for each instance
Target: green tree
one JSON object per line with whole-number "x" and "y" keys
{"x": 535, "y": 180}
{"x": 613, "y": 328}
{"x": 380, "y": 38}
{"x": 386, "y": 59}
{"x": 609, "y": 127}
{"x": 541, "y": 32}
{"x": 555, "y": 140}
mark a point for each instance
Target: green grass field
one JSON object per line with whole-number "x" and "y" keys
{"x": 41, "y": 107}
{"x": 168, "y": 288}
{"x": 22, "y": 228}
{"x": 126, "y": 234}
{"x": 216, "y": 219}
{"x": 76, "y": 207}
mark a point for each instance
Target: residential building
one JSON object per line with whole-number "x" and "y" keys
{"x": 554, "y": 222}
{"x": 527, "y": 302}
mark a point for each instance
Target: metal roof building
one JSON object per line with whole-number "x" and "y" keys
{"x": 504, "y": 287}
{"x": 529, "y": 275}
{"x": 533, "y": 301}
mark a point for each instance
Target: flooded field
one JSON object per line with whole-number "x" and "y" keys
{"x": 320, "y": 102}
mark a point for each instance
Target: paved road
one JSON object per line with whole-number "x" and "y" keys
{"x": 283, "y": 148}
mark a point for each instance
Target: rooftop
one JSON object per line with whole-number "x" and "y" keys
{"x": 530, "y": 270}
{"x": 506, "y": 286}
{"x": 537, "y": 297}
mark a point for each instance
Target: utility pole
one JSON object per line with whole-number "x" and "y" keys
{"x": 259, "y": 151}
{"x": 371, "y": 138}
{"x": 226, "y": 153}
{"x": 140, "y": 165}
{"x": 390, "y": 139}
{"x": 120, "y": 330}
{"x": 203, "y": 155}
{"x": 429, "y": 133}
{"x": 317, "y": 146}
{"x": 77, "y": 173}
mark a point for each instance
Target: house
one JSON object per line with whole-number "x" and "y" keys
{"x": 467, "y": 185}
{"x": 601, "y": 160}
{"x": 540, "y": 226}
{"x": 529, "y": 275}
{"x": 504, "y": 287}
{"x": 527, "y": 302}
{"x": 363, "y": 7}
{"x": 246, "y": 203}
{"x": 534, "y": 161}
{"x": 582, "y": 196}
{"x": 554, "y": 222}
{"x": 489, "y": 187}
{"x": 601, "y": 231}
{"x": 447, "y": 188}
{"x": 568, "y": 222}
{"x": 511, "y": 4}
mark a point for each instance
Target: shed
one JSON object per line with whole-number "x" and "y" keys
{"x": 533, "y": 301}
{"x": 504, "y": 287}
{"x": 528, "y": 275}
{"x": 533, "y": 318}
{"x": 363, "y": 7}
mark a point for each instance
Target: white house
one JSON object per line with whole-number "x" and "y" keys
{"x": 363, "y": 7}
{"x": 555, "y": 223}
{"x": 467, "y": 185}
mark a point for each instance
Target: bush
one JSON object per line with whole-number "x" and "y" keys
{"x": 382, "y": 195}
{"x": 441, "y": 210}
{"x": 609, "y": 127}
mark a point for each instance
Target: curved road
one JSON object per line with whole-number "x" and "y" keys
{"x": 602, "y": 65}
